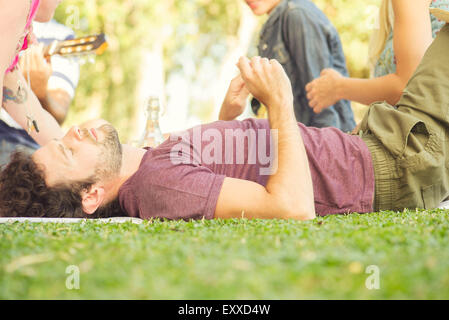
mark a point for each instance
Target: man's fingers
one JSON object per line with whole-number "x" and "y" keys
{"x": 244, "y": 90}
{"x": 236, "y": 77}
{"x": 278, "y": 68}
{"x": 265, "y": 63}
{"x": 238, "y": 85}
{"x": 256, "y": 65}
{"x": 237, "y": 81}
{"x": 245, "y": 68}
{"x": 276, "y": 63}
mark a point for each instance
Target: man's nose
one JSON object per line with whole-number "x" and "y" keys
{"x": 76, "y": 131}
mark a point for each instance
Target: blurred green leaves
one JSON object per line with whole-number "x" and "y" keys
{"x": 190, "y": 31}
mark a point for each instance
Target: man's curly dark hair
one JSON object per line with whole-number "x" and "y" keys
{"x": 23, "y": 193}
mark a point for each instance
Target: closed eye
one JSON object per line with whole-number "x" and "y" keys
{"x": 64, "y": 151}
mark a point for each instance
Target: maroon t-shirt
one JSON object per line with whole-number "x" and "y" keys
{"x": 182, "y": 178}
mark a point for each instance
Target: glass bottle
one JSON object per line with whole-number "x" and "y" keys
{"x": 152, "y": 136}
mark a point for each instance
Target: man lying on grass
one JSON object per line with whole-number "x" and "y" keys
{"x": 399, "y": 159}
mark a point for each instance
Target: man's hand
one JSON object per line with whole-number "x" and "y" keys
{"x": 288, "y": 193}
{"x": 39, "y": 68}
{"x": 266, "y": 81}
{"x": 235, "y": 100}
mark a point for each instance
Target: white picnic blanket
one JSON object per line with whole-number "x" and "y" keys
{"x": 71, "y": 220}
{"x": 443, "y": 205}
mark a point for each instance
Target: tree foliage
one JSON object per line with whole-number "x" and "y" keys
{"x": 191, "y": 32}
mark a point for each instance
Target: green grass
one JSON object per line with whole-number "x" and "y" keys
{"x": 234, "y": 259}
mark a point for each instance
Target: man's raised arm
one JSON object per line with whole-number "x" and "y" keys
{"x": 289, "y": 190}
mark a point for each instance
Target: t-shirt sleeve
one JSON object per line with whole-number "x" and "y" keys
{"x": 182, "y": 191}
{"x": 66, "y": 71}
{"x": 65, "y": 76}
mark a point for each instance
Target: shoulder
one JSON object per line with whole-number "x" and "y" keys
{"x": 302, "y": 8}
{"x": 128, "y": 201}
{"x": 305, "y": 13}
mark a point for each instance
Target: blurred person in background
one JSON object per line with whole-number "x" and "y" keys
{"x": 404, "y": 32}
{"x": 55, "y": 80}
{"x": 304, "y": 41}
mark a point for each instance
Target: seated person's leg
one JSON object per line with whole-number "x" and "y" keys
{"x": 409, "y": 143}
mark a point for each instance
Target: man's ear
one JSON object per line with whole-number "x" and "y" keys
{"x": 92, "y": 198}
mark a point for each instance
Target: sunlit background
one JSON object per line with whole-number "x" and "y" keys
{"x": 185, "y": 52}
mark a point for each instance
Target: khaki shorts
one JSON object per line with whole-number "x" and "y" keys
{"x": 409, "y": 142}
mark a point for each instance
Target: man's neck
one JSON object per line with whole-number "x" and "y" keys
{"x": 131, "y": 159}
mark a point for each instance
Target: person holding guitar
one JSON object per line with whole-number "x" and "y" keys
{"x": 52, "y": 79}
{"x": 17, "y": 98}
{"x": 54, "y": 67}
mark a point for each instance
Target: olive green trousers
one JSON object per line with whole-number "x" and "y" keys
{"x": 409, "y": 142}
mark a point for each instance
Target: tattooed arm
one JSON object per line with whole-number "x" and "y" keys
{"x": 20, "y": 103}
{"x": 13, "y": 16}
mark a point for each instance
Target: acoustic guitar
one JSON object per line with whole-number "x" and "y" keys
{"x": 89, "y": 45}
